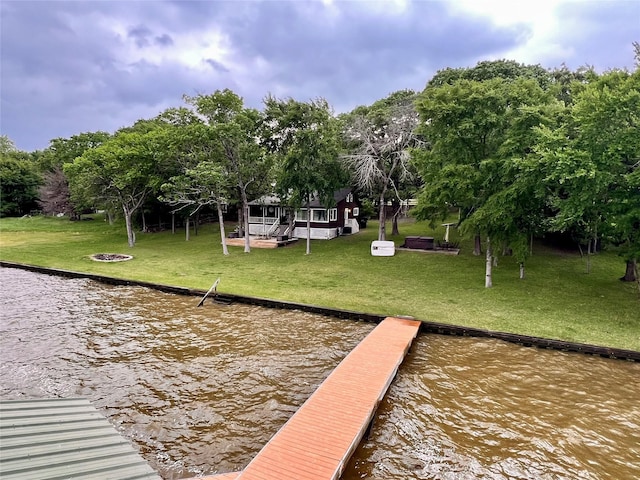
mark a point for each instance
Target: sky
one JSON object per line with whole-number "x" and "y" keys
{"x": 83, "y": 66}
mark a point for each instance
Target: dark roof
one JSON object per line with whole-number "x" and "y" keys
{"x": 338, "y": 196}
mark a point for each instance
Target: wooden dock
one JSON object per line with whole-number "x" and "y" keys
{"x": 318, "y": 440}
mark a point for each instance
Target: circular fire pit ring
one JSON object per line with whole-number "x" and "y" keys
{"x": 110, "y": 257}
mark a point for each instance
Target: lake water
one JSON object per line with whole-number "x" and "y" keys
{"x": 201, "y": 390}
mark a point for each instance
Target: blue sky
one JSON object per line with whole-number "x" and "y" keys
{"x": 72, "y": 67}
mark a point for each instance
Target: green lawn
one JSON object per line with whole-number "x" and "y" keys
{"x": 556, "y": 300}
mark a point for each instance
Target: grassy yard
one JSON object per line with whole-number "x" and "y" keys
{"x": 556, "y": 300}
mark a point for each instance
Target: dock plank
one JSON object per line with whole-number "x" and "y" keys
{"x": 320, "y": 437}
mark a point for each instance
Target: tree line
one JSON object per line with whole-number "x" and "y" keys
{"x": 515, "y": 151}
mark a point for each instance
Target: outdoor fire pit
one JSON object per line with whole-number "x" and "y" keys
{"x": 110, "y": 257}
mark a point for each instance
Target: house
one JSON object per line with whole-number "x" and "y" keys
{"x": 269, "y": 218}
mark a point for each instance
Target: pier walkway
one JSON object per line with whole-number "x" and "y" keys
{"x": 318, "y": 440}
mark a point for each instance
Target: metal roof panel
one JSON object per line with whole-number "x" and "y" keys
{"x": 64, "y": 438}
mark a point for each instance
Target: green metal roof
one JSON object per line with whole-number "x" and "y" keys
{"x": 64, "y": 438}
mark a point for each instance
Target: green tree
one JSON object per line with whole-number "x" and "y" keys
{"x": 479, "y": 134}
{"x": 54, "y": 195}
{"x": 237, "y": 131}
{"x": 127, "y": 169}
{"x": 591, "y": 163}
{"x": 566, "y": 83}
{"x": 202, "y": 180}
{"x": 378, "y": 139}
{"x": 304, "y": 136}
{"x": 489, "y": 69}
{"x": 7, "y": 146}
{"x": 19, "y": 180}
{"x": 65, "y": 150}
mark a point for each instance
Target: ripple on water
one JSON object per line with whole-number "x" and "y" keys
{"x": 464, "y": 408}
{"x": 200, "y": 391}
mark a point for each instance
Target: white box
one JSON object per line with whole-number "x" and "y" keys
{"x": 383, "y": 248}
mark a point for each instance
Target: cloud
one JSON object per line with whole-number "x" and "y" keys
{"x": 71, "y": 67}
{"x": 599, "y": 34}
{"x": 163, "y": 40}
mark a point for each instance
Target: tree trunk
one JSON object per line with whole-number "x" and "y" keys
{"x": 477, "y": 247}
{"x": 245, "y": 214}
{"x": 196, "y": 221}
{"x": 308, "y": 229}
{"x": 144, "y": 222}
{"x": 589, "y": 256}
{"x": 291, "y": 220}
{"x": 396, "y": 214}
{"x": 131, "y": 236}
{"x": 531, "y": 245}
{"x": 173, "y": 223}
{"x": 382, "y": 231}
{"x": 521, "y": 270}
{"x": 240, "y": 222}
{"x": 110, "y": 217}
{"x": 223, "y": 237}
{"x": 187, "y": 231}
{"x": 495, "y": 260}
{"x": 488, "y": 281}
{"x": 630, "y": 273}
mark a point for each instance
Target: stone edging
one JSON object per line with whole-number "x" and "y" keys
{"x": 427, "y": 326}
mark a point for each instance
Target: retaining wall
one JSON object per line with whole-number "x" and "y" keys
{"x": 426, "y": 326}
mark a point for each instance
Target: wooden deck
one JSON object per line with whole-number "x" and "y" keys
{"x": 255, "y": 242}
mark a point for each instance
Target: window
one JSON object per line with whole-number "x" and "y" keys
{"x": 319, "y": 216}
{"x": 255, "y": 210}
{"x": 333, "y": 214}
{"x": 356, "y": 211}
{"x": 349, "y": 198}
{"x": 301, "y": 215}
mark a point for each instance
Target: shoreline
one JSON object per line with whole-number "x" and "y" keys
{"x": 425, "y": 327}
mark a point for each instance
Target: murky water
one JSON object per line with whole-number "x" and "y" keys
{"x": 464, "y": 408}
{"x": 202, "y": 390}
{"x": 199, "y": 390}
